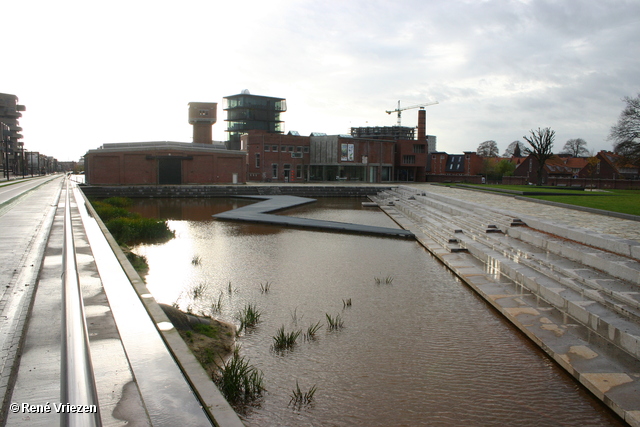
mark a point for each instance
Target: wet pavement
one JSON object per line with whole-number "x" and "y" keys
{"x": 138, "y": 381}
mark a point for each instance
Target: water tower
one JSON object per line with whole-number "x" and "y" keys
{"x": 202, "y": 115}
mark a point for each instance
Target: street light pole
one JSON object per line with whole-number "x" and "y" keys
{"x": 4, "y": 138}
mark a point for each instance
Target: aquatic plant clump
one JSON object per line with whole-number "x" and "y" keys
{"x": 264, "y": 288}
{"x": 198, "y": 290}
{"x": 238, "y": 381}
{"x": 312, "y": 330}
{"x": 131, "y": 230}
{"x": 216, "y": 305}
{"x": 249, "y": 317}
{"x": 129, "y": 227}
{"x": 334, "y": 322}
{"x": 299, "y": 398}
{"x": 285, "y": 340}
{"x": 386, "y": 280}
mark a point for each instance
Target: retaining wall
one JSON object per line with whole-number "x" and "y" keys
{"x": 176, "y": 191}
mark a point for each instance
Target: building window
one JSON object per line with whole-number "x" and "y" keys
{"x": 408, "y": 160}
{"x": 419, "y": 148}
{"x": 299, "y": 171}
{"x": 257, "y": 160}
{"x": 305, "y": 149}
{"x": 274, "y": 170}
{"x": 274, "y": 148}
{"x": 291, "y": 148}
{"x": 267, "y": 147}
{"x": 299, "y": 149}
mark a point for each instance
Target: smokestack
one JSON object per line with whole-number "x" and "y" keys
{"x": 422, "y": 124}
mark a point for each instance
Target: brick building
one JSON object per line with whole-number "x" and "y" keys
{"x": 276, "y": 157}
{"x": 557, "y": 166}
{"x": 455, "y": 167}
{"x": 318, "y": 157}
{"x": 158, "y": 163}
{"x": 608, "y": 165}
{"x": 342, "y": 157}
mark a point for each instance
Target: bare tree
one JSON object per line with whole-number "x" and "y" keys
{"x": 488, "y": 149}
{"x": 576, "y": 147}
{"x": 541, "y": 142}
{"x": 626, "y": 133}
{"x": 516, "y": 148}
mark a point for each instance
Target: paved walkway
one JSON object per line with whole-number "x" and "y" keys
{"x": 25, "y": 223}
{"x": 138, "y": 381}
{"x": 620, "y": 228}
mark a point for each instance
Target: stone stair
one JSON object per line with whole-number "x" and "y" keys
{"x": 597, "y": 288}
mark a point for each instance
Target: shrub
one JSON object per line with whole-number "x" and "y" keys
{"x": 129, "y": 227}
{"x": 133, "y": 230}
{"x": 120, "y": 202}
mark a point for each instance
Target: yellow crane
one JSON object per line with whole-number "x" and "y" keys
{"x": 400, "y": 110}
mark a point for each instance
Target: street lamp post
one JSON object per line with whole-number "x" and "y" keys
{"x": 4, "y": 138}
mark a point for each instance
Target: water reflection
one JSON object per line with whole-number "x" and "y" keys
{"x": 422, "y": 350}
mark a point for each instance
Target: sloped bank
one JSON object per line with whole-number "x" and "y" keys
{"x": 571, "y": 324}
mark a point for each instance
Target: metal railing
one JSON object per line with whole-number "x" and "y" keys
{"x": 78, "y": 393}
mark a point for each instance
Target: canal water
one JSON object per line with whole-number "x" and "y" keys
{"x": 418, "y": 348}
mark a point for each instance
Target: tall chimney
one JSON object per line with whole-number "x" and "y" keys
{"x": 422, "y": 124}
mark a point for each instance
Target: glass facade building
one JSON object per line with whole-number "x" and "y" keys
{"x": 252, "y": 112}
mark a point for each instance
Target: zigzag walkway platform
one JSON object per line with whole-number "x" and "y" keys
{"x": 144, "y": 373}
{"x": 572, "y": 290}
{"x": 261, "y": 213}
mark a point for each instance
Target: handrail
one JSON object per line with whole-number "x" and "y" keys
{"x": 77, "y": 383}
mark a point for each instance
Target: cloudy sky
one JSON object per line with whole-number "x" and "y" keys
{"x": 94, "y": 72}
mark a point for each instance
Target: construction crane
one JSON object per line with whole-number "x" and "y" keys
{"x": 400, "y": 110}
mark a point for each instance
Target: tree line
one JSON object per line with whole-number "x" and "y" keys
{"x": 625, "y": 136}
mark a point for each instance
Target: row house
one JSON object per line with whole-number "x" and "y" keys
{"x": 608, "y": 165}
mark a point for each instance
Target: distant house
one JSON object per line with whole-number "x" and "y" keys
{"x": 555, "y": 167}
{"x": 454, "y": 167}
{"x": 608, "y": 165}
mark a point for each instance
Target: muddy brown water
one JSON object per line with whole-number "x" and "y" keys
{"x": 422, "y": 350}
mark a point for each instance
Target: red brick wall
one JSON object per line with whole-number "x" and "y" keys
{"x": 104, "y": 169}
{"x": 133, "y": 168}
{"x": 262, "y": 143}
{"x": 139, "y": 170}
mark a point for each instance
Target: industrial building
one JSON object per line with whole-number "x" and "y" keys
{"x": 318, "y": 157}
{"x": 168, "y": 162}
{"x": 259, "y": 151}
{"x": 247, "y": 112}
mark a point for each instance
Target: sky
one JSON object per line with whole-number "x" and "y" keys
{"x": 95, "y": 72}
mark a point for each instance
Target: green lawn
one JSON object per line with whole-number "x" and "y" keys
{"x": 623, "y": 201}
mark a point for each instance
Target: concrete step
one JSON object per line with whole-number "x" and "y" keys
{"x": 601, "y": 301}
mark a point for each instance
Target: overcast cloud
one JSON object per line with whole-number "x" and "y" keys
{"x": 122, "y": 71}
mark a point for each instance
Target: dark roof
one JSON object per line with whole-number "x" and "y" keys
{"x": 455, "y": 163}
